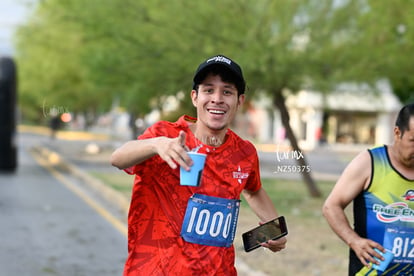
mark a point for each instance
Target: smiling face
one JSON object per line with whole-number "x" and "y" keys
{"x": 217, "y": 103}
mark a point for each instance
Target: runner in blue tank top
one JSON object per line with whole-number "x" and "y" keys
{"x": 380, "y": 183}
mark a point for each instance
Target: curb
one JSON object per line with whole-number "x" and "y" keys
{"x": 63, "y": 134}
{"x": 113, "y": 196}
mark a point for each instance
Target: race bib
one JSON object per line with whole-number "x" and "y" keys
{"x": 401, "y": 242}
{"x": 210, "y": 220}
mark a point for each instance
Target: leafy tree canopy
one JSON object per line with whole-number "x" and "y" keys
{"x": 84, "y": 54}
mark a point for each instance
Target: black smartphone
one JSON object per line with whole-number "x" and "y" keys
{"x": 271, "y": 230}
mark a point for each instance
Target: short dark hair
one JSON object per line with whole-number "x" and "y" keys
{"x": 225, "y": 74}
{"x": 404, "y": 116}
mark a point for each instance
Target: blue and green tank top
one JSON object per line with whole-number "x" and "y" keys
{"x": 385, "y": 213}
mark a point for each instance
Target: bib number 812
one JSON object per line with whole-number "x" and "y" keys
{"x": 215, "y": 224}
{"x": 403, "y": 247}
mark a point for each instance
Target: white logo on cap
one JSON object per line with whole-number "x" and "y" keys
{"x": 220, "y": 59}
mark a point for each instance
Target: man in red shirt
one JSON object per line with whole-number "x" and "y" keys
{"x": 185, "y": 230}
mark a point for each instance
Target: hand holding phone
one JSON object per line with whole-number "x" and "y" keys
{"x": 271, "y": 230}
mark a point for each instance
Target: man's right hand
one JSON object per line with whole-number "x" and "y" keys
{"x": 174, "y": 151}
{"x": 364, "y": 249}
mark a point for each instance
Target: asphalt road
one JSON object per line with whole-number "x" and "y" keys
{"x": 50, "y": 226}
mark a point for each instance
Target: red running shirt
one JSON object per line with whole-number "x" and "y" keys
{"x": 158, "y": 205}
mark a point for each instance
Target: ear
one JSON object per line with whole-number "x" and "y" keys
{"x": 397, "y": 133}
{"x": 242, "y": 97}
{"x": 194, "y": 95}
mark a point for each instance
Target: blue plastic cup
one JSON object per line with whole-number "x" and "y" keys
{"x": 388, "y": 256}
{"x": 193, "y": 176}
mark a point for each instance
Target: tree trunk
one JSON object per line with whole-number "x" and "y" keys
{"x": 132, "y": 125}
{"x": 279, "y": 102}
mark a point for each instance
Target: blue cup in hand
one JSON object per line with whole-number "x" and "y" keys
{"x": 388, "y": 256}
{"x": 193, "y": 176}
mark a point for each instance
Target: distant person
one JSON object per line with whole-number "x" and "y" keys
{"x": 380, "y": 182}
{"x": 159, "y": 203}
{"x": 55, "y": 124}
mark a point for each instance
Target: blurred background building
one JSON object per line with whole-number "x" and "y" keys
{"x": 354, "y": 114}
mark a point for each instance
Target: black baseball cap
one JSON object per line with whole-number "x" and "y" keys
{"x": 220, "y": 60}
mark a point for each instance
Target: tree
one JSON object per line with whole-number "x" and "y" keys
{"x": 140, "y": 51}
{"x": 386, "y": 36}
{"x": 50, "y": 56}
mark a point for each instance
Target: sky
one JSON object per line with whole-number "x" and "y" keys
{"x": 12, "y": 13}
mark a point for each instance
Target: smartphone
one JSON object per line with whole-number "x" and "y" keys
{"x": 271, "y": 230}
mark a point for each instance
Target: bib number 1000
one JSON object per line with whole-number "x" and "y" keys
{"x": 203, "y": 222}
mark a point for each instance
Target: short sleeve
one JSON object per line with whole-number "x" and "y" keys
{"x": 254, "y": 183}
{"x": 158, "y": 129}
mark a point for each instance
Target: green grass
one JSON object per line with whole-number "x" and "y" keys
{"x": 119, "y": 181}
{"x": 292, "y": 196}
